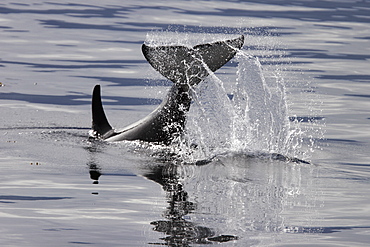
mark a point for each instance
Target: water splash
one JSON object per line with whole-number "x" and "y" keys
{"x": 261, "y": 120}
{"x": 248, "y": 112}
{"x": 255, "y": 119}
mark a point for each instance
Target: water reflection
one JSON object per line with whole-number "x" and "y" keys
{"x": 248, "y": 196}
{"x": 94, "y": 148}
{"x": 234, "y": 197}
{"x": 179, "y": 231}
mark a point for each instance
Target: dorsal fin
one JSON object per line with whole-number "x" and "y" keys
{"x": 183, "y": 65}
{"x": 100, "y": 122}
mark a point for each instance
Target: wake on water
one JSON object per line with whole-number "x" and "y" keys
{"x": 249, "y": 115}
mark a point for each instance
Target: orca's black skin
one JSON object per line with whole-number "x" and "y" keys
{"x": 185, "y": 67}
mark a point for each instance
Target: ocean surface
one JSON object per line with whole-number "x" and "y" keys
{"x": 281, "y": 160}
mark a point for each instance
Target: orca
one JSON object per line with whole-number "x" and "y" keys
{"x": 186, "y": 67}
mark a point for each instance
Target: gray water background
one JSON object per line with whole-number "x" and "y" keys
{"x": 54, "y": 52}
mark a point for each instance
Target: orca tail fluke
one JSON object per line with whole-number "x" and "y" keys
{"x": 100, "y": 125}
{"x": 217, "y": 54}
{"x": 185, "y": 66}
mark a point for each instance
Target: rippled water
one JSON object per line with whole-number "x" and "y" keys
{"x": 59, "y": 188}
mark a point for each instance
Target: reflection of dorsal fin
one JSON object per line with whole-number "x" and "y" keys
{"x": 184, "y": 65}
{"x": 100, "y": 122}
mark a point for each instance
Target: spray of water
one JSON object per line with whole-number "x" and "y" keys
{"x": 250, "y": 116}
{"x": 253, "y": 120}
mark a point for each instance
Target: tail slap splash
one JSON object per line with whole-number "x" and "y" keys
{"x": 185, "y": 67}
